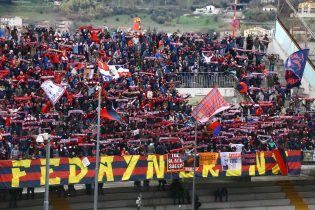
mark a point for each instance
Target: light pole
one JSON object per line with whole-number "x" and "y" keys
{"x": 235, "y": 2}
{"x": 194, "y": 177}
{"x": 41, "y": 138}
{"x": 97, "y": 162}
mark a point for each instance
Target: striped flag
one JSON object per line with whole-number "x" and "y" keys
{"x": 104, "y": 71}
{"x": 282, "y": 161}
{"x": 210, "y": 105}
{"x": 102, "y": 65}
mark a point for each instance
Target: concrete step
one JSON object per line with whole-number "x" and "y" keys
{"x": 304, "y": 188}
{"x": 19, "y": 207}
{"x": 111, "y": 188}
{"x": 312, "y": 207}
{"x": 252, "y": 204}
{"x": 229, "y": 205}
{"x": 239, "y": 193}
{"x": 309, "y": 201}
{"x": 164, "y": 194}
{"x": 188, "y": 207}
{"x": 235, "y": 192}
{"x": 123, "y": 204}
{"x": 307, "y": 194}
{"x": 157, "y": 201}
{"x": 264, "y": 208}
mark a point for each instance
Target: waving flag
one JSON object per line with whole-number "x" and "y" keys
{"x": 53, "y": 91}
{"x": 104, "y": 71}
{"x": 122, "y": 72}
{"x": 235, "y": 24}
{"x": 110, "y": 114}
{"x": 106, "y": 76}
{"x": 210, "y": 105}
{"x": 216, "y": 127}
{"x": 102, "y": 65}
{"x": 292, "y": 80}
{"x": 118, "y": 71}
{"x": 295, "y": 65}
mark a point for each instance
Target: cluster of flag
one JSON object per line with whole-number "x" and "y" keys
{"x": 108, "y": 72}
{"x": 213, "y": 104}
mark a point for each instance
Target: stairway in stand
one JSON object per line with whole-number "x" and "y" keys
{"x": 242, "y": 195}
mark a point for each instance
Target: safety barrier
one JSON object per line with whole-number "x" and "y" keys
{"x": 206, "y": 80}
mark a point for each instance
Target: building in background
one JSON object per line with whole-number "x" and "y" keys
{"x": 306, "y": 9}
{"x": 208, "y": 10}
{"x": 267, "y": 1}
{"x": 10, "y": 21}
{"x": 258, "y": 31}
{"x": 269, "y": 8}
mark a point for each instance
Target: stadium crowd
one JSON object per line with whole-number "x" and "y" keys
{"x": 155, "y": 118}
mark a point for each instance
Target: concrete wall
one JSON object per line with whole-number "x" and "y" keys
{"x": 225, "y": 92}
{"x": 289, "y": 47}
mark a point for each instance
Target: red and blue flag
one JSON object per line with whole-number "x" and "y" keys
{"x": 210, "y": 105}
{"x": 294, "y": 66}
{"x": 235, "y": 24}
{"x": 110, "y": 114}
{"x": 215, "y": 127}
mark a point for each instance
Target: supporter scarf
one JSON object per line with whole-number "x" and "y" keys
{"x": 48, "y": 120}
{"x": 4, "y": 73}
{"x": 31, "y": 123}
{"x": 65, "y": 141}
{"x": 23, "y": 98}
{"x": 30, "y": 127}
{"x": 75, "y": 112}
{"x": 86, "y": 145}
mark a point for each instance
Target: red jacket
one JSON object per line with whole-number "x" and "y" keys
{"x": 244, "y": 87}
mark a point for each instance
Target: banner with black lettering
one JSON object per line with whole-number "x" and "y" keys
{"x": 175, "y": 162}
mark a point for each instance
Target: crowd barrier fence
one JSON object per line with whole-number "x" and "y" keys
{"x": 206, "y": 80}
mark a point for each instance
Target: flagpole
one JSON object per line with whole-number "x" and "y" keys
{"x": 194, "y": 177}
{"x": 235, "y": 2}
{"x": 46, "y": 195}
{"x": 97, "y": 162}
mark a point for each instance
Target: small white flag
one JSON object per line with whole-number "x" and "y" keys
{"x": 136, "y": 132}
{"x": 85, "y": 162}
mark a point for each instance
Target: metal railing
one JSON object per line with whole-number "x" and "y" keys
{"x": 205, "y": 80}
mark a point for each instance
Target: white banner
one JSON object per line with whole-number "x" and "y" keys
{"x": 85, "y": 162}
{"x": 53, "y": 91}
{"x": 231, "y": 161}
{"x": 136, "y": 132}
